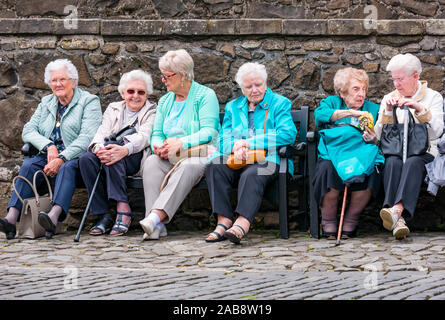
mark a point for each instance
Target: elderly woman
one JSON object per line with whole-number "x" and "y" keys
{"x": 61, "y": 129}
{"x": 187, "y": 116}
{"x": 259, "y": 119}
{"x": 345, "y": 107}
{"x": 402, "y": 181}
{"x": 119, "y": 158}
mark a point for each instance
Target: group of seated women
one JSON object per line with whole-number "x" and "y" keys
{"x": 172, "y": 144}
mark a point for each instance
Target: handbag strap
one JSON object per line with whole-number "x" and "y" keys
{"x": 394, "y": 115}
{"x": 27, "y": 181}
{"x": 265, "y": 118}
{"x": 47, "y": 183}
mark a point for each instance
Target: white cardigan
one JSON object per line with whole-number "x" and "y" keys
{"x": 111, "y": 123}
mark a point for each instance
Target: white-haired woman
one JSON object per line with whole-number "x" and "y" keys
{"x": 61, "y": 129}
{"x": 345, "y": 107}
{"x": 402, "y": 181}
{"x": 187, "y": 116}
{"x": 259, "y": 119}
{"x": 119, "y": 158}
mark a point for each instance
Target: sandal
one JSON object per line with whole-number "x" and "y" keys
{"x": 103, "y": 226}
{"x": 235, "y": 236}
{"x": 219, "y": 236}
{"x": 121, "y": 227}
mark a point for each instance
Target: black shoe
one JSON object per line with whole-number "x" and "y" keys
{"x": 329, "y": 235}
{"x": 7, "y": 228}
{"x": 46, "y": 223}
{"x": 349, "y": 234}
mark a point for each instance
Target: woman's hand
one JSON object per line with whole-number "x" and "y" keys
{"x": 51, "y": 153}
{"x": 111, "y": 154}
{"x": 369, "y": 136}
{"x": 240, "y": 149}
{"x": 174, "y": 145}
{"x": 356, "y": 113}
{"x": 411, "y": 103}
{"x": 53, "y": 167}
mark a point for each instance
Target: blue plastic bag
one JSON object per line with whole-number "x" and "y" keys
{"x": 353, "y": 158}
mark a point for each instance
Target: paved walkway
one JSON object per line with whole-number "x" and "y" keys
{"x": 184, "y": 266}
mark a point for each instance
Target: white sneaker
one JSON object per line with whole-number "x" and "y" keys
{"x": 156, "y": 234}
{"x": 389, "y": 217}
{"x": 401, "y": 230}
{"x": 148, "y": 225}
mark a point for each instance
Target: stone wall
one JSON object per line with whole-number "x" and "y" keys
{"x": 302, "y": 44}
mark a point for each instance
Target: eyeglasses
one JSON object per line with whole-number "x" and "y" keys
{"x": 139, "y": 92}
{"x": 61, "y": 80}
{"x": 164, "y": 77}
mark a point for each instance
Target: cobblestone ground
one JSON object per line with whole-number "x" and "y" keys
{"x": 184, "y": 266}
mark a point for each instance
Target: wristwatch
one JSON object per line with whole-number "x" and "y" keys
{"x": 61, "y": 157}
{"x": 45, "y": 148}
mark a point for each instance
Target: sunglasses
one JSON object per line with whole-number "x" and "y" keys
{"x": 132, "y": 91}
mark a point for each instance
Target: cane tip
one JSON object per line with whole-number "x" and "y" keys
{"x": 76, "y": 240}
{"x": 337, "y": 243}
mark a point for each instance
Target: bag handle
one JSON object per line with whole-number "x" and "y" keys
{"x": 47, "y": 182}
{"x": 394, "y": 115}
{"x": 33, "y": 186}
{"x": 27, "y": 181}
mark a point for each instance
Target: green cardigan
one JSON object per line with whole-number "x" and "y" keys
{"x": 201, "y": 116}
{"x": 78, "y": 124}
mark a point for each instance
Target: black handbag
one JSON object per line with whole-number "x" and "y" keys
{"x": 391, "y": 141}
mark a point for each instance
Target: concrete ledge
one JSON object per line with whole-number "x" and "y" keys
{"x": 284, "y": 27}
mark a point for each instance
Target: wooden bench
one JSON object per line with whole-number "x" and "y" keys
{"x": 277, "y": 192}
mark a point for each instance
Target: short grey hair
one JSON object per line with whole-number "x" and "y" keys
{"x": 136, "y": 75}
{"x": 58, "y": 64}
{"x": 253, "y": 69}
{"x": 178, "y": 61}
{"x": 406, "y": 62}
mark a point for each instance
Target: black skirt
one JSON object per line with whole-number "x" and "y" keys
{"x": 327, "y": 178}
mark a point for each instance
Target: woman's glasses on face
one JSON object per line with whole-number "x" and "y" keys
{"x": 165, "y": 77}
{"x": 139, "y": 92}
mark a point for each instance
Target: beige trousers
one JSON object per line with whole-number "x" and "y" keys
{"x": 187, "y": 174}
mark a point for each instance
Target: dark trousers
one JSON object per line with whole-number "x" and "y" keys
{"x": 112, "y": 181}
{"x": 251, "y": 180}
{"x": 67, "y": 179}
{"x": 402, "y": 182}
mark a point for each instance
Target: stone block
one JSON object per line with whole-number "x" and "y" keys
{"x": 348, "y": 27}
{"x": 258, "y": 26}
{"x": 400, "y": 27}
{"x": 79, "y": 26}
{"x": 7, "y": 74}
{"x": 110, "y": 48}
{"x": 435, "y": 27}
{"x": 317, "y": 45}
{"x": 304, "y": 27}
{"x": 79, "y": 44}
{"x": 39, "y": 26}
{"x": 16, "y": 111}
{"x": 273, "y": 10}
{"x": 8, "y": 26}
{"x": 131, "y": 27}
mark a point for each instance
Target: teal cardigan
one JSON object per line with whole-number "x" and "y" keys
{"x": 78, "y": 124}
{"x": 280, "y": 128}
{"x": 323, "y": 113}
{"x": 201, "y": 116}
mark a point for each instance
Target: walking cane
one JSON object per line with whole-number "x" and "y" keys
{"x": 76, "y": 239}
{"x": 405, "y": 133}
{"x": 337, "y": 243}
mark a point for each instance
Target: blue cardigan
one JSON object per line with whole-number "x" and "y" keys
{"x": 280, "y": 128}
